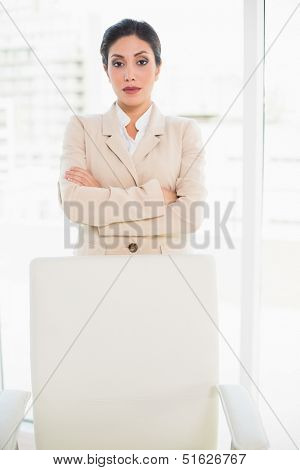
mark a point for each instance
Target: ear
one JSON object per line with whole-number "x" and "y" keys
{"x": 157, "y": 71}
{"x": 106, "y": 71}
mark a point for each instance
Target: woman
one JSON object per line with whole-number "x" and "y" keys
{"x": 132, "y": 178}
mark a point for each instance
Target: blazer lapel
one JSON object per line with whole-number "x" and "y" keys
{"x": 150, "y": 139}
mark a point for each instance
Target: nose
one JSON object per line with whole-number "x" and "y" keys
{"x": 129, "y": 73}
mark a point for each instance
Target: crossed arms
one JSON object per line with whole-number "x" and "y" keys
{"x": 147, "y": 210}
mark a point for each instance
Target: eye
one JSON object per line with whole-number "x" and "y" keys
{"x": 118, "y": 62}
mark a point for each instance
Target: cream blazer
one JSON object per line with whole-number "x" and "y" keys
{"x": 128, "y": 214}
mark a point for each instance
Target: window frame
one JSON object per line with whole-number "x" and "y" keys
{"x": 253, "y": 174}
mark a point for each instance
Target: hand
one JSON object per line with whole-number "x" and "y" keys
{"x": 82, "y": 177}
{"x": 169, "y": 195}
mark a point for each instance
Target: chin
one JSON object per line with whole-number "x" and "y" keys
{"x": 132, "y": 100}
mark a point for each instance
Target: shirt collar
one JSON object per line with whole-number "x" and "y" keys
{"x": 140, "y": 124}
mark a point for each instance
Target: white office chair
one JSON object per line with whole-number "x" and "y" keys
{"x": 123, "y": 355}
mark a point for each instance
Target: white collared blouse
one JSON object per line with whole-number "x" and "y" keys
{"x": 140, "y": 124}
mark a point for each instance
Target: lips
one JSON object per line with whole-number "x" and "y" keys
{"x": 131, "y": 90}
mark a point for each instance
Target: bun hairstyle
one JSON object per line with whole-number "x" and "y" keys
{"x": 128, "y": 27}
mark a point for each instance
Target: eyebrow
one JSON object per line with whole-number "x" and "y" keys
{"x": 137, "y": 53}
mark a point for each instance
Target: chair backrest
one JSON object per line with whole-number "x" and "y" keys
{"x": 123, "y": 355}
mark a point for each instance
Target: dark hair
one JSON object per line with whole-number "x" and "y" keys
{"x": 127, "y": 27}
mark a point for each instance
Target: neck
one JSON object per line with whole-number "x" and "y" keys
{"x": 134, "y": 112}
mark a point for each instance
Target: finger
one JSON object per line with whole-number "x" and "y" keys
{"x": 76, "y": 179}
{"x": 80, "y": 173}
{"x": 72, "y": 180}
{"x": 78, "y": 170}
{"x": 75, "y": 173}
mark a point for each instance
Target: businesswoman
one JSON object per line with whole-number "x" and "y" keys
{"x": 132, "y": 178}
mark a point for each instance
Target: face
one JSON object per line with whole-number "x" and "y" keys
{"x": 126, "y": 68}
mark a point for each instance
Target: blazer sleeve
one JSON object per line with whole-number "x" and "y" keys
{"x": 100, "y": 207}
{"x": 187, "y": 213}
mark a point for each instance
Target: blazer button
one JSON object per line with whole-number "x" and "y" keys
{"x": 132, "y": 247}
